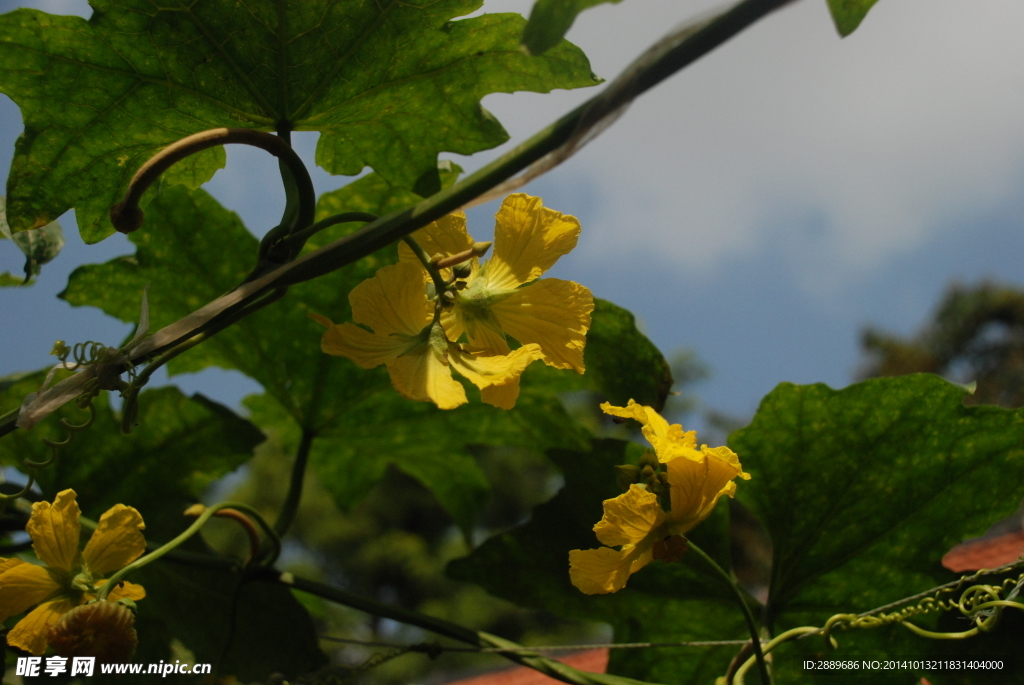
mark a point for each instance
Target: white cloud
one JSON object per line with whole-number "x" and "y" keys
{"x": 874, "y": 140}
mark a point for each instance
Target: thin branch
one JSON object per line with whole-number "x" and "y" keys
{"x": 510, "y": 650}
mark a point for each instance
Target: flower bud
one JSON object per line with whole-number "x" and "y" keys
{"x": 462, "y": 270}
{"x": 626, "y": 475}
{"x": 650, "y": 459}
{"x": 102, "y": 629}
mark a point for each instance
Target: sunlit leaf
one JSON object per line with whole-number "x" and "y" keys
{"x": 39, "y": 245}
{"x": 549, "y": 21}
{"x": 848, "y": 14}
{"x": 389, "y": 85}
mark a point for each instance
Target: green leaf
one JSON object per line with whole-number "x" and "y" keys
{"x": 181, "y": 446}
{"x": 848, "y": 14}
{"x": 550, "y": 20}
{"x": 664, "y": 602}
{"x": 388, "y": 85}
{"x": 39, "y": 245}
{"x": 249, "y": 629}
{"x": 864, "y": 489}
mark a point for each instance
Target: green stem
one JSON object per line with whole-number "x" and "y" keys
{"x": 939, "y": 636}
{"x": 182, "y": 538}
{"x": 517, "y": 653}
{"x": 755, "y": 636}
{"x": 300, "y": 237}
{"x": 741, "y": 672}
{"x": 127, "y": 217}
{"x": 439, "y": 285}
{"x": 291, "y": 502}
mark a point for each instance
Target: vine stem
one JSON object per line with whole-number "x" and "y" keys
{"x": 791, "y": 634}
{"x": 183, "y": 537}
{"x": 550, "y": 667}
{"x": 126, "y": 215}
{"x": 300, "y": 237}
{"x": 755, "y": 637}
{"x": 435, "y": 274}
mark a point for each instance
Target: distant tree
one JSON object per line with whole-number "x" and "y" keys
{"x": 976, "y": 334}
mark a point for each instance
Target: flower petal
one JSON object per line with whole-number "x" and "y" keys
{"x": 501, "y": 396}
{"x": 493, "y": 370}
{"x": 55, "y": 529}
{"x": 393, "y": 301}
{"x": 125, "y": 589}
{"x": 668, "y": 441}
{"x": 482, "y": 330}
{"x": 30, "y": 632}
{"x": 422, "y": 376}
{"x": 604, "y": 570}
{"x": 117, "y": 541}
{"x": 446, "y": 236}
{"x": 695, "y": 487}
{"x": 22, "y": 585}
{"x": 629, "y": 518}
{"x": 553, "y": 313}
{"x": 451, "y": 320}
{"x": 528, "y": 240}
{"x": 364, "y": 348}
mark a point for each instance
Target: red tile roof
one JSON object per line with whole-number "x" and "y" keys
{"x": 594, "y": 660}
{"x": 984, "y": 552}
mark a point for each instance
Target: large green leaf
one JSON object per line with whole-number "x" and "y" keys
{"x": 864, "y": 489}
{"x": 250, "y": 629}
{"x": 389, "y": 85}
{"x": 848, "y": 14}
{"x": 664, "y": 602}
{"x": 549, "y": 21}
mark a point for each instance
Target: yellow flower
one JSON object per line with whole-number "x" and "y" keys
{"x": 417, "y": 353}
{"x": 71, "y": 576}
{"x": 493, "y": 302}
{"x": 635, "y": 520}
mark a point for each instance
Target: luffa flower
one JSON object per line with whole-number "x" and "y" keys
{"x": 419, "y": 356}
{"x": 635, "y": 521}
{"x": 502, "y": 296}
{"x": 71, "y": 576}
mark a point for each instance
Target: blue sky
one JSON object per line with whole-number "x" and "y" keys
{"x": 759, "y": 208}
